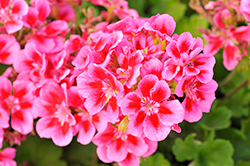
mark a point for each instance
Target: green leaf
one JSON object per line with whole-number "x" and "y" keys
{"x": 235, "y": 78}
{"x": 39, "y": 152}
{"x": 239, "y": 103}
{"x": 76, "y": 153}
{"x": 242, "y": 146}
{"x": 174, "y": 8}
{"x": 191, "y": 25}
{"x": 242, "y": 163}
{"x": 3, "y": 67}
{"x": 138, "y": 5}
{"x": 215, "y": 153}
{"x": 185, "y": 150}
{"x": 217, "y": 119}
{"x": 240, "y": 140}
{"x": 156, "y": 159}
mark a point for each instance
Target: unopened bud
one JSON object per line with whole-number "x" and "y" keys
{"x": 123, "y": 126}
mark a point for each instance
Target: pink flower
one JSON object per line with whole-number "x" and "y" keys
{"x": 231, "y": 53}
{"x": 56, "y": 119}
{"x": 186, "y": 60}
{"x": 97, "y": 85}
{"x": 119, "y": 7}
{"x": 9, "y": 48}
{"x": 244, "y": 9}
{"x": 199, "y": 97}
{"x": 31, "y": 63}
{"x": 86, "y": 124}
{"x": 47, "y": 39}
{"x": 11, "y": 13}
{"x": 20, "y": 103}
{"x": 150, "y": 113}
{"x": 119, "y": 146}
{"x": 153, "y": 66}
{"x": 7, "y": 156}
{"x": 162, "y": 25}
{"x": 130, "y": 63}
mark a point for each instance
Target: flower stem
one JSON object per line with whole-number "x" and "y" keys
{"x": 236, "y": 89}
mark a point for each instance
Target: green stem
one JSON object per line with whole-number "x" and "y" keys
{"x": 94, "y": 159}
{"x": 236, "y": 89}
{"x": 78, "y": 29}
{"x": 228, "y": 78}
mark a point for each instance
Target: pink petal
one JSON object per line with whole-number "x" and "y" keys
{"x": 176, "y": 128}
{"x": 165, "y": 24}
{"x": 13, "y": 24}
{"x": 43, "y": 9}
{"x": 170, "y": 71}
{"x": 242, "y": 32}
{"x": 20, "y": 7}
{"x": 29, "y": 20}
{"x": 63, "y": 135}
{"x": 52, "y": 93}
{"x": 209, "y": 87}
{"x": 218, "y": 20}
{"x": 113, "y": 111}
{"x": 146, "y": 84}
{"x": 42, "y": 108}
{"x": 184, "y": 42}
{"x": 1, "y": 137}
{"x": 160, "y": 91}
{"x": 192, "y": 111}
{"x": 231, "y": 56}
{"x": 154, "y": 129}
{"x": 4, "y": 119}
{"x": 82, "y": 59}
{"x": 22, "y": 122}
{"x": 66, "y": 12}
{"x": 135, "y": 125}
{"x": 99, "y": 120}
{"x": 205, "y": 75}
{"x": 95, "y": 103}
{"x": 191, "y": 71}
{"x": 5, "y": 88}
{"x": 171, "y": 112}
{"x": 47, "y": 126}
{"x": 130, "y": 160}
{"x": 9, "y": 49}
{"x": 4, "y": 3}
{"x": 136, "y": 145}
{"x": 152, "y": 147}
{"x": 173, "y": 51}
{"x": 134, "y": 73}
{"x": 153, "y": 66}
{"x": 9, "y": 153}
{"x": 102, "y": 154}
{"x": 23, "y": 90}
{"x": 214, "y": 45}
{"x": 56, "y": 27}
{"x": 43, "y": 43}
{"x": 131, "y": 103}
{"x": 105, "y": 137}
{"x": 86, "y": 132}
{"x": 117, "y": 150}
{"x": 87, "y": 85}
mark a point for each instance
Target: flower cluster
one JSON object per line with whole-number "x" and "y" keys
{"x": 123, "y": 85}
{"x": 230, "y": 30}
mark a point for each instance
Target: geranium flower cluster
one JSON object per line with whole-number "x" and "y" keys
{"x": 230, "y": 30}
{"x": 123, "y": 85}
